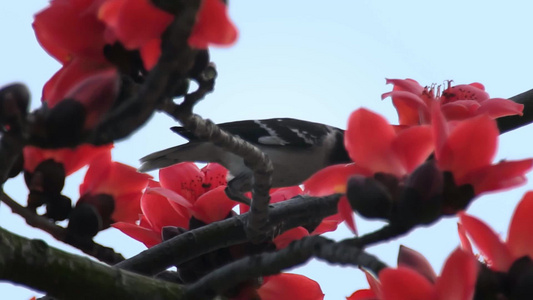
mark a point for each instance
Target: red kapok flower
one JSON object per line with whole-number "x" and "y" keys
{"x": 213, "y": 26}
{"x": 184, "y": 191}
{"x": 414, "y": 103}
{"x": 417, "y": 281}
{"x": 118, "y": 180}
{"x": 467, "y": 148}
{"x": 500, "y": 255}
{"x": 395, "y": 152}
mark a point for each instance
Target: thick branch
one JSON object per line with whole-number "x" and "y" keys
{"x": 66, "y": 276}
{"x": 289, "y": 214}
{"x": 296, "y": 254}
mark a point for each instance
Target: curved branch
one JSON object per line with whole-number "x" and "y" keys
{"x": 509, "y": 123}
{"x": 287, "y": 214}
{"x": 264, "y": 264}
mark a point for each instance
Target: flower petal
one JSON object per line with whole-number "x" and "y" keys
{"x": 465, "y": 242}
{"x": 332, "y": 179}
{"x": 134, "y": 22}
{"x": 215, "y": 175}
{"x": 287, "y": 286}
{"x": 410, "y": 258}
{"x": 362, "y": 295}
{"x": 365, "y": 149}
{"x": 183, "y": 178}
{"x": 213, "y": 206}
{"x": 504, "y": 175}
{"x": 346, "y": 212}
{"x": 413, "y": 146}
{"x": 160, "y": 213}
{"x": 470, "y": 145}
{"x": 284, "y": 239}
{"x": 144, "y": 235}
{"x": 519, "y": 238}
{"x": 458, "y": 278}
{"x": 489, "y": 244}
{"x": 213, "y": 26}
{"x": 498, "y": 107}
{"x": 405, "y": 284}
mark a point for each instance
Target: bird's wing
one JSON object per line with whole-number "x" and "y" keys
{"x": 272, "y": 132}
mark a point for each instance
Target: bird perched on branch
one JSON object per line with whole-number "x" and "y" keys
{"x": 296, "y": 148}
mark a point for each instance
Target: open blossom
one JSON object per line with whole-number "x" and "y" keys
{"x": 498, "y": 254}
{"x": 414, "y": 103}
{"x": 185, "y": 191}
{"x": 396, "y": 153}
{"x": 467, "y": 148}
{"x": 415, "y": 280}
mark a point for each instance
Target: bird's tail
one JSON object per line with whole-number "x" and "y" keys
{"x": 192, "y": 151}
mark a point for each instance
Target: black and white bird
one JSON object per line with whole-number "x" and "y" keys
{"x": 296, "y": 148}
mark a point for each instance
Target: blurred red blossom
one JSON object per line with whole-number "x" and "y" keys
{"x": 500, "y": 255}
{"x": 412, "y": 281}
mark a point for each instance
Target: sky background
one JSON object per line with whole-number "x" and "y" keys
{"x": 318, "y": 61}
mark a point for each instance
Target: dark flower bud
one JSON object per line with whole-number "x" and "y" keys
{"x": 369, "y": 197}
{"x": 169, "y": 232}
{"x": 48, "y": 177}
{"x": 103, "y": 204}
{"x": 520, "y": 278}
{"x": 17, "y": 167}
{"x": 14, "y": 102}
{"x": 421, "y": 199}
{"x": 58, "y": 208}
{"x": 455, "y": 198}
{"x": 84, "y": 221}
{"x": 64, "y": 123}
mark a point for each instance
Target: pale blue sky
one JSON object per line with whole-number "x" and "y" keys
{"x": 319, "y": 61}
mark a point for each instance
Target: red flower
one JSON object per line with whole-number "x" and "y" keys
{"x": 185, "y": 191}
{"x": 72, "y": 159}
{"x": 467, "y": 149}
{"x": 287, "y": 286}
{"x": 500, "y": 255}
{"x": 457, "y": 281}
{"x": 123, "y": 20}
{"x": 69, "y": 28}
{"x": 394, "y": 152}
{"x": 414, "y": 103}
{"x": 118, "y": 180}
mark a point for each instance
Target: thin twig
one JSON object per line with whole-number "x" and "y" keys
{"x": 102, "y": 253}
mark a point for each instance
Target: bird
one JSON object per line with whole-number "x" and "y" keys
{"x": 297, "y": 149}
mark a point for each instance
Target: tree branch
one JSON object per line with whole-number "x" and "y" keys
{"x": 38, "y": 266}
{"x": 264, "y": 264}
{"x": 287, "y": 214}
